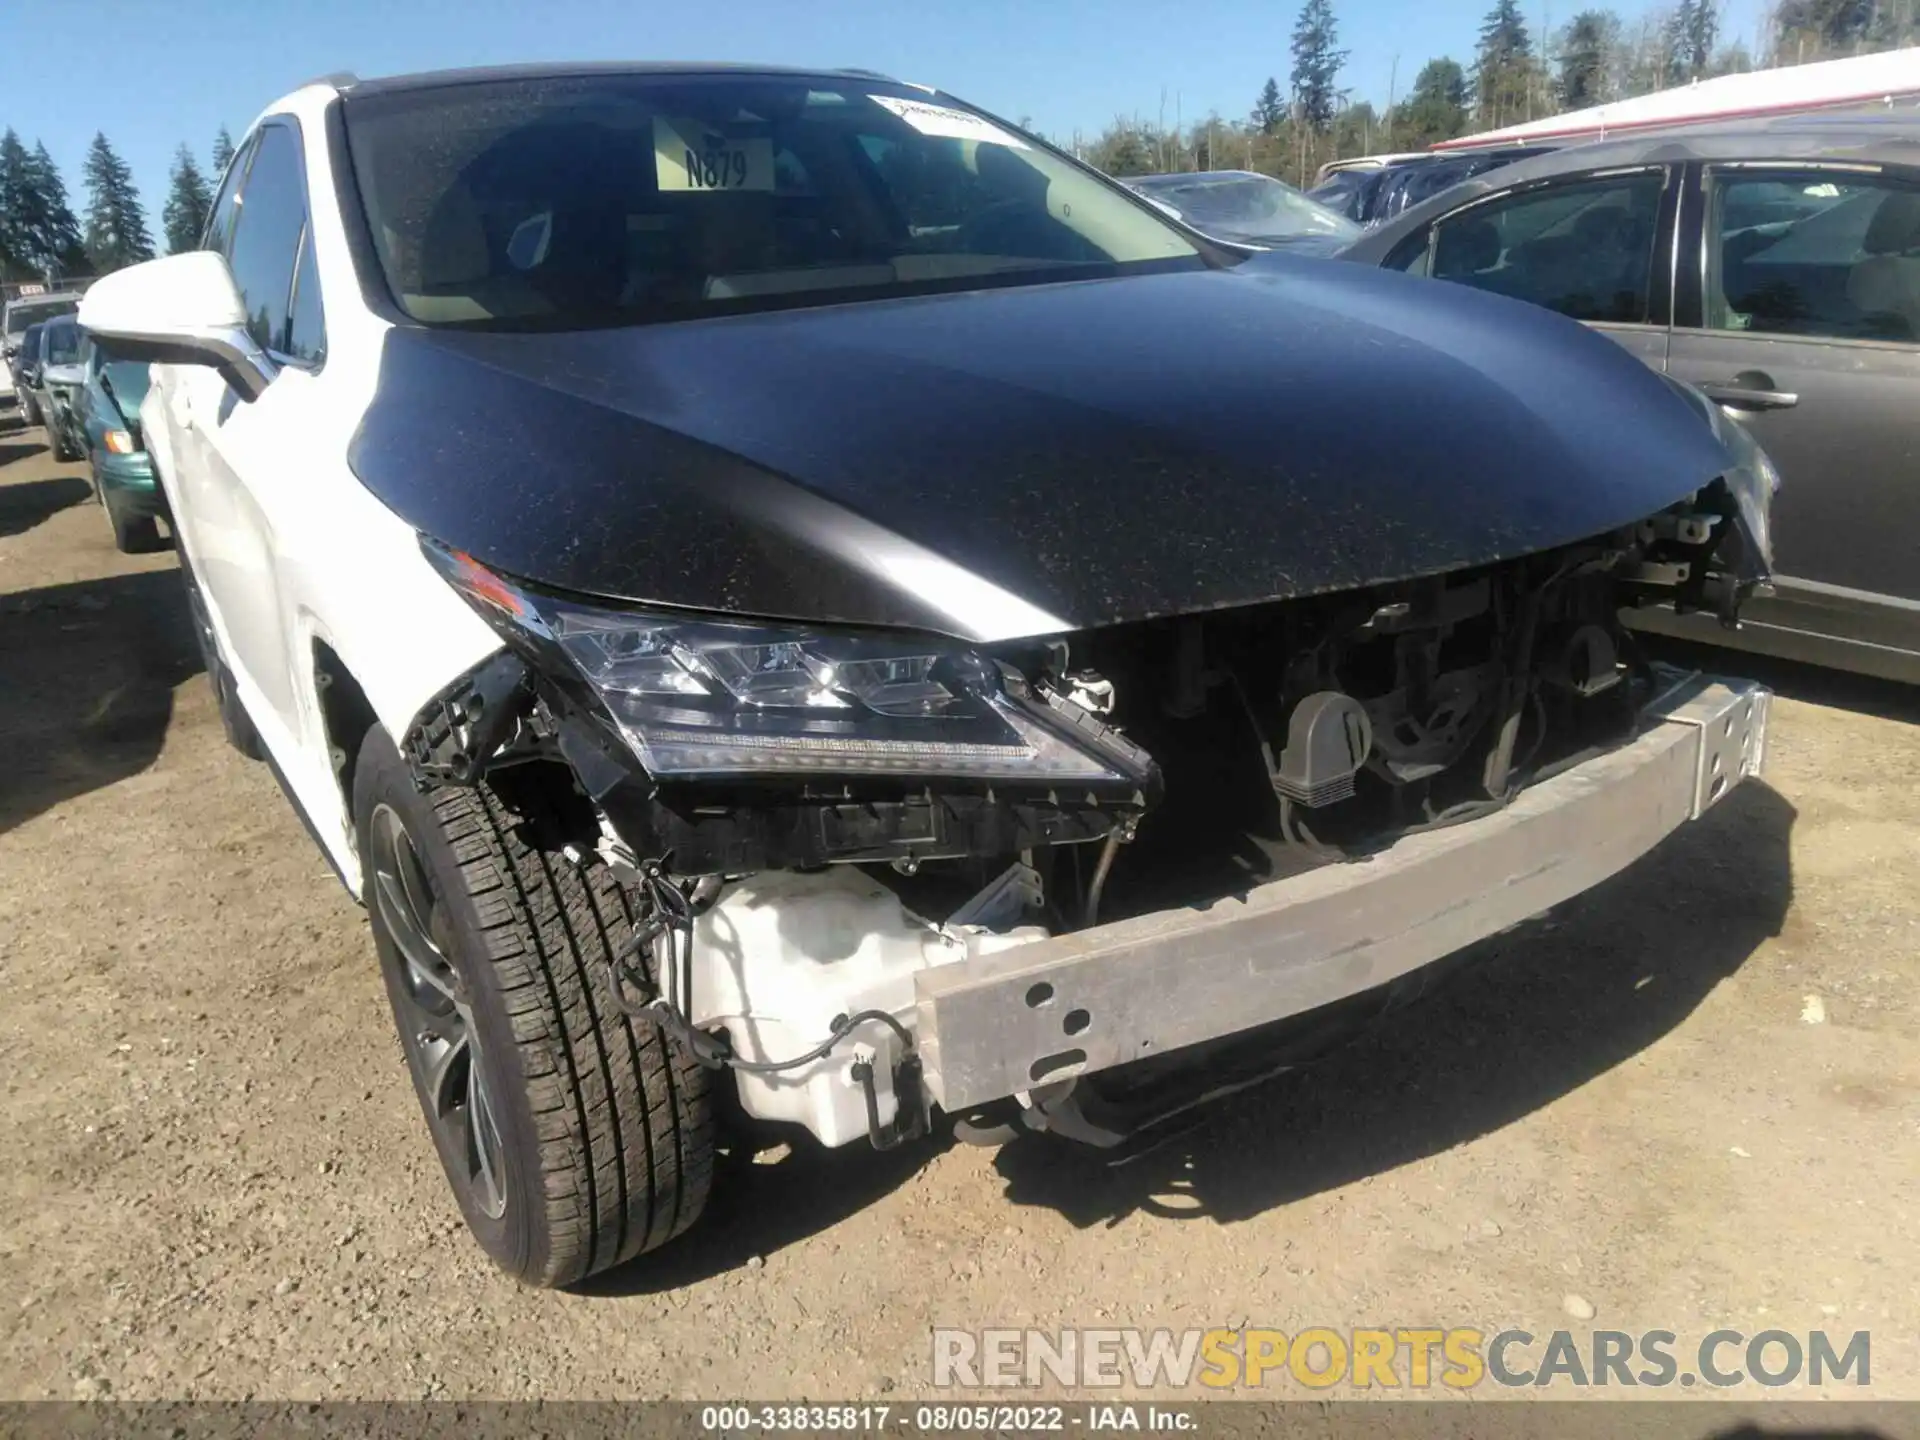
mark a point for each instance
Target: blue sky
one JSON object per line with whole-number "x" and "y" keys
{"x": 151, "y": 76}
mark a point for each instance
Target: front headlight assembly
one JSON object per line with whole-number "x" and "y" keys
{"x": 707, "y": 698}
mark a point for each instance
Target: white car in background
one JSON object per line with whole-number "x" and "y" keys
{"x": 31, "y": 308}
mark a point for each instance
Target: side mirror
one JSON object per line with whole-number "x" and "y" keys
{"x": 179, "y": 310}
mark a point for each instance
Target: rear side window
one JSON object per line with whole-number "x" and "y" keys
{"x": 220, "y": 217}
{"x": 266, "y": 236}
{"x": 1832, "y": 254}
{"x": 1585, "y": 249}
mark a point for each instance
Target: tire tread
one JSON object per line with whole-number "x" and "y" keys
{"x": 623, "y": 1112}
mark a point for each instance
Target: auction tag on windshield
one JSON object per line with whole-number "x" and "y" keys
{"x": 948, "y": 123}
{"x": 689, "y": 156}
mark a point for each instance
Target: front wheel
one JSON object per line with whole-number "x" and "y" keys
{"x": 574, "y": 1137}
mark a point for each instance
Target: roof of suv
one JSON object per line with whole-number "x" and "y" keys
{"x": 548, "y": 70}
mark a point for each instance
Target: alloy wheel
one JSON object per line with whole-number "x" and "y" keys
{"x": 436, "y": 1013}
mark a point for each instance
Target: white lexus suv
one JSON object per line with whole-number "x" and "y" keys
{"x": 792, "y": 602}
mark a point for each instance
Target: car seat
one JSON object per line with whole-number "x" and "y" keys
{"x": 1885, "y": 285}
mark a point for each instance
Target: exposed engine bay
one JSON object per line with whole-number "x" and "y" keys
{"x": 789, "y": 915}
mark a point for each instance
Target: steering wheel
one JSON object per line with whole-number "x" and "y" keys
{"x": 1007, "y": 227}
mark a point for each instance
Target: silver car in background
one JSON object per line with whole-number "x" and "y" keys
{"x": 1244, "y": 208}
{"x": 1774, "y": 266}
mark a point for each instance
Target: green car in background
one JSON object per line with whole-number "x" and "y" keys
{"x": 107, "y": 415}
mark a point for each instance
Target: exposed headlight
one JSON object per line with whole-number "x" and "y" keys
{"x": 702, "y": 697}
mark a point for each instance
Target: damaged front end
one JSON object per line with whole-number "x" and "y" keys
{"x": 884, "y": 870}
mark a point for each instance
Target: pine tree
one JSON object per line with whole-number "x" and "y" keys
{"x": 222, "y": 153}
{"x": 54, "y": 247}
{"x": 1127, "y": 154}
{"x": 1694, "y": 28}
{"x": 1504, "y": 66}
{"x": 16, "y": 202}
{"x": 1815, "y": 28}
{"x": 1316, "y": 63}
{"x": 1437, "y": 108}
{"x": 1733, "y": 59}
{"x": 1586, "y": 46}
{"x": 1270, "y": 109}
{"x": 188, "y": 200}
{"x": 117, "y": 233}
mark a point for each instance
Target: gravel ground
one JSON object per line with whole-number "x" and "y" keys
{"x": 219, "y": 1185}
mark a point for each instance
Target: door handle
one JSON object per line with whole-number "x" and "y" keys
{"x": 1749, "y": 390}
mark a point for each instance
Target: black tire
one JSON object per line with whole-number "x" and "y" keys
{"x": 234, "y": 719}
{"x": 29, "y": 412}
{"x": 135, "y": 534}
{"x": 63, "y": 450}
{"x": 603, "y": 1126}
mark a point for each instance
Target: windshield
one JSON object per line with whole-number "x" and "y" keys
{"x": 60, "y": 342}
{"x": 20, "y": 316}
{"x": 127, "y": 381}
{"x": 1240, "y": 203}
{"x": 574, "y": 201}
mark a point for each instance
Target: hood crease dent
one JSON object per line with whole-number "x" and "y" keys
{"x": 1035, "y": 459}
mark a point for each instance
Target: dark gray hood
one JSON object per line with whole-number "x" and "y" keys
{"x": 1031, "y": 458}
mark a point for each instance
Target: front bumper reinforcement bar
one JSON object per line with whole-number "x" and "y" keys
{"x": 1006, "y": 1023}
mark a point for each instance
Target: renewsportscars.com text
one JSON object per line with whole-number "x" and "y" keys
{"x": 1400, "y": 1358}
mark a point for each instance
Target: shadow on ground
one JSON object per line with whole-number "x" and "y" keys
{"x": 89, "y": 671}
{"x": 1529, "y": 1016}
{"x": 24, "y": 506}
{"x": 760, "y": 1209}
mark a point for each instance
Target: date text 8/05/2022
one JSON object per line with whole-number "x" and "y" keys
{"x": 945, "y": 1418}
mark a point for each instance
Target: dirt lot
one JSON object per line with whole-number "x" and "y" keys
{"x": 217, "y": 1184}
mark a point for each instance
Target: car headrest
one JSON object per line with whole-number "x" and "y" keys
{"x": 1895, "y": 227}
{"x": 453, "y": 245}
